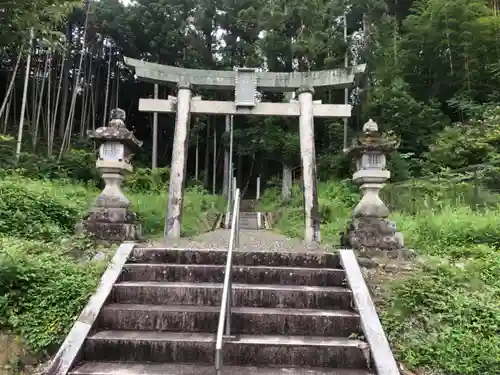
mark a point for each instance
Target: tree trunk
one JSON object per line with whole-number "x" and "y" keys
{"x": 239, "y": 174}
{"x": 154, "y": 161}
{"x": 34, "y": 92}
{"x": 49, "y": 98}
{"x": 117, "y": 102}
{"x": 214, "y": 176}
{"x": 287, "y": 182}
{"x": 206, "y": 178}
{"x": 68, "y": 130}
{"x": 7, "y": 113}
{"x": 40, "y": 101}
{"x": 105, "y": 116}
{"x": 25, "y": 98}
{"x": 52, "y": 130}
{"x": 85, "y": 97}
{"x": 93, "y": 109}
{"x": 97, "y": 84}
{"x": 225, "y": 184}
{"x": 11, "y": 83}
{"x": 65, "y": 82}
{"x": 197, "y": 158}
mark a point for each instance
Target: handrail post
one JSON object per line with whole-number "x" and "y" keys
{"x": 224, "y": 326}
{"x": 237, "y": 237}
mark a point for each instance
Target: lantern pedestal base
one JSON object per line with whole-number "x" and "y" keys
{"x": 110, "y": 220}
{"x": 112, "y": 225}
{"x": 372, "y": 233}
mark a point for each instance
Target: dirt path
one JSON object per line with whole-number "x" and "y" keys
{"x": 249, "y": 240}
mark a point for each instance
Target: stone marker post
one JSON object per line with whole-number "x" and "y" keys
{"x": 109, "y": 218}
{"x": 308, "y": 158}
{"x": 179, "y": 160}
{"x": 369, "y": 228}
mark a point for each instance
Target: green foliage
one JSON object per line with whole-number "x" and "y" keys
{"x": 417, "y": 123}
{"x": 473, "y": 142}
{"x": 36, "y": 210}
{"x": 440, "y": 231}
{"x": 42, "y": 290}
{"x": 147, "y": 180}
{"x": 448, "y": 48}
{"x": 430, "y": 63}
{"x": 41, "y": 15}
{"x": 421, "y": 195}
{"x": 77, "y": 165}
{"x": 151, "y": 207}
{"x": 445, "y": 316}
{"x": 399, "y": 166}
{"x": 335, "y": 203}
{"x": 334, "y": 165}
{"x": 46, "y": 273}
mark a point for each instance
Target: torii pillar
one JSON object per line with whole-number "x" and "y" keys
{"x": 179, "y": 160}
{"x": 308, "y": 161}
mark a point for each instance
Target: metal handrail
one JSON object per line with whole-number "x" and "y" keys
{"x": 225, "y": 310}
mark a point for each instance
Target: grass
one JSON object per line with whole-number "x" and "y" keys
{"x": 444, "y": 318}
{"x": 47, "y": 274}
{"x": 75, "y": 198}
{"x": 196, "y": 218}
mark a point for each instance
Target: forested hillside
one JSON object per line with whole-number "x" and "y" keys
{"x": 432, "y": 79}
{"x": 433, "y": 75}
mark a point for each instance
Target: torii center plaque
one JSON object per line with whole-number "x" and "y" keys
{"x": 245, "y": 82}
{"x": 245, "y": 90}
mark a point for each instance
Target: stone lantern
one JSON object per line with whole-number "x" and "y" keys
{"x": 109, "y": 218}
{"x": 369, "y": 227}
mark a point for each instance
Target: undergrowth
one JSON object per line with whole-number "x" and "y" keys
{"x": 46, "y": 272}
{"x": 43, "y": 289}
{"x": 444, "y": 318}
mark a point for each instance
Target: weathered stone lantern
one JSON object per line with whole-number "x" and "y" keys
{"x": 110, "y": 219}
{"x": 369, "y": 227}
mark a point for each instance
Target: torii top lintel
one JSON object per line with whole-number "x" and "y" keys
{"x": 225, "y": 79}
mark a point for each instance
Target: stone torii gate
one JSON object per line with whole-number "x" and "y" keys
{"x": 245, "y": 82}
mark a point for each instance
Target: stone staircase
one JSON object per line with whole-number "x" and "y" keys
{"x": 292, "y": 315}
{"x": 249, "y": 220}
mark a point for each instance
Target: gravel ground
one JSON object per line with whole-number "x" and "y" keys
{"x": 249, "y": 240}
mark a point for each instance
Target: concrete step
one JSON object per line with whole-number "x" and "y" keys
{"x": 246, "y": 320}
{"x": 248, "y": 220}
{"x": 119, "y": 368}
{"x": 247, "y": 205}
{"x": 245, "y": 350}
{"x": 203, "y": 273}
{"x": 244, "y": 295}
{"x": 240, "y": 258}
{"x": 249, "y": 224}
{"x": 246, "y": 216}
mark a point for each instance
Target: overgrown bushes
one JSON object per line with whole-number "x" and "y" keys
{"x": 445, "y": 317}
{"x": 43, "y": 289}
{"x": 46, "y": 273}
{"x": 77, "y": 165}
{"x": 37, "y": 210}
